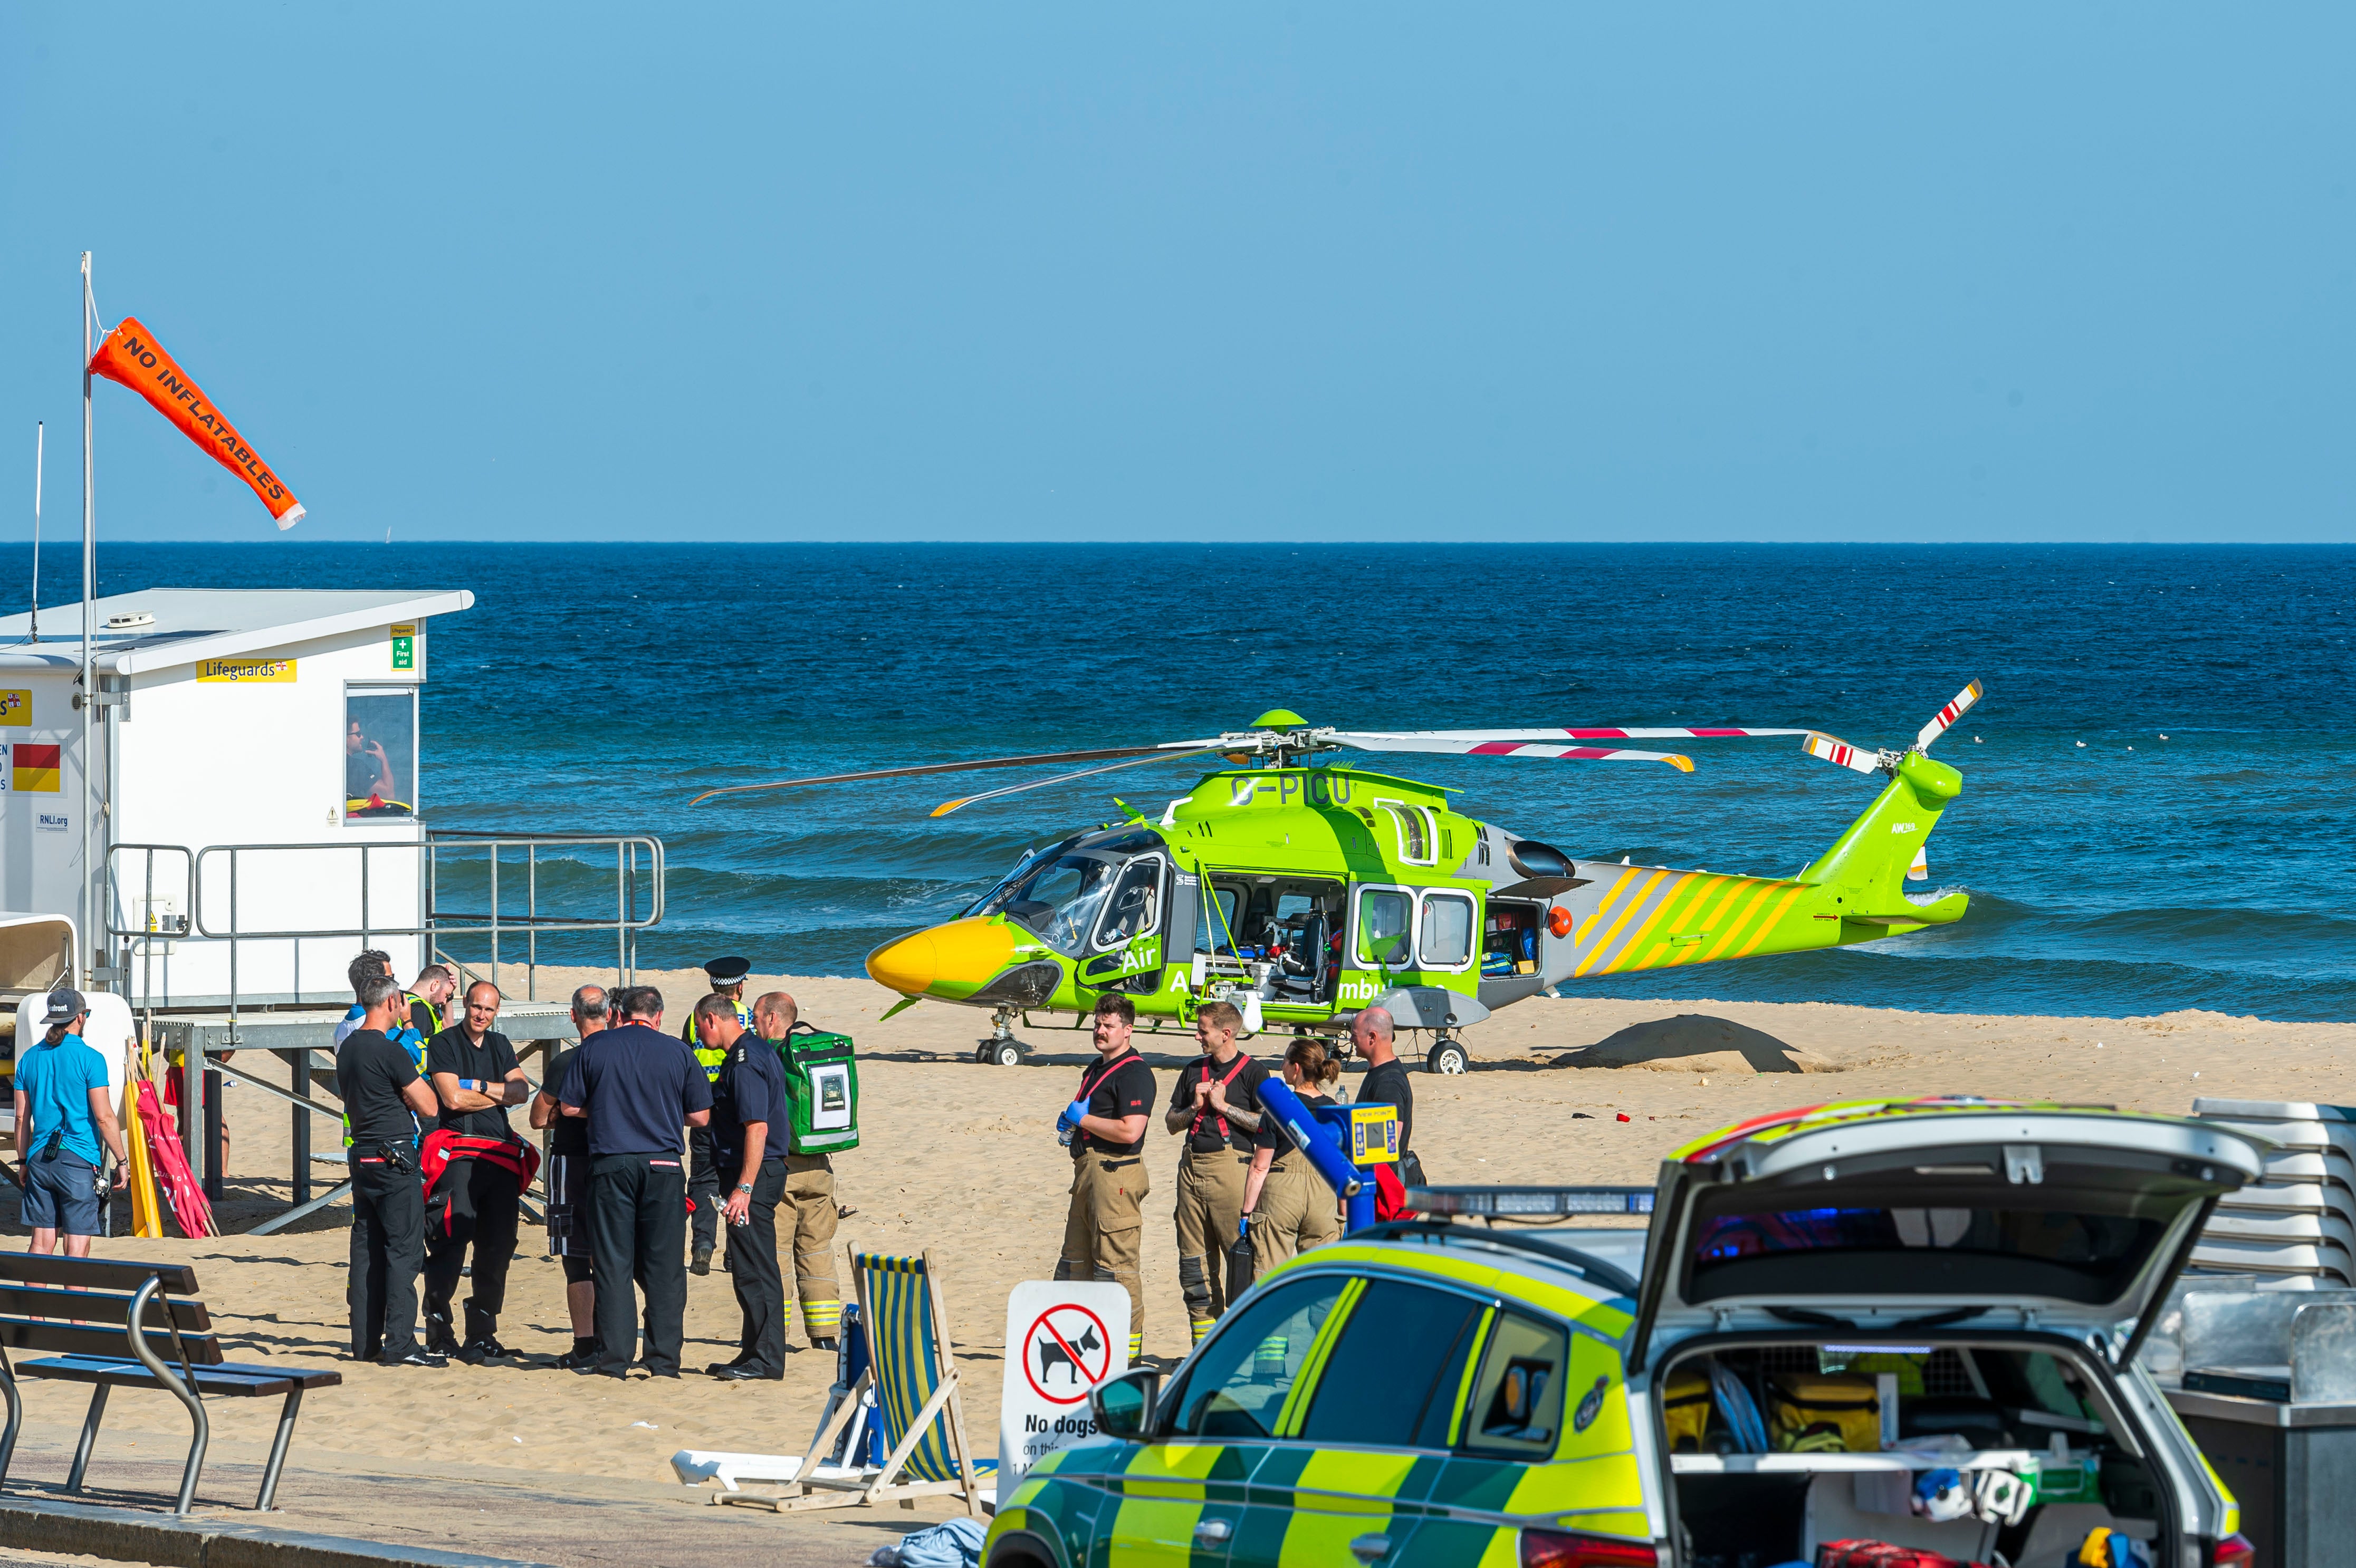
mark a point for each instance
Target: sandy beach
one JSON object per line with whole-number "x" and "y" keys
{"x": 959, "y": 1159}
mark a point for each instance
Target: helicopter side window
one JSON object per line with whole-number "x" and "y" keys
{"x": 1446, "y": 942}
{"x": 1384, "y": 915}
{"x": 1415, "y": 837}
{"x": 1215, "y": 931}
{"x": 1135, "y": 906}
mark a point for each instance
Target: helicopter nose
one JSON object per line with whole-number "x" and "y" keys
{"x": 949, "y": 960}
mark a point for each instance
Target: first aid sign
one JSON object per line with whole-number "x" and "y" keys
{"x": 1063, "y": 1337}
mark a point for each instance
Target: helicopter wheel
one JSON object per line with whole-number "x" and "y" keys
{"x": 1005, "y": 1054}
{"x": 1447, "y": 1056}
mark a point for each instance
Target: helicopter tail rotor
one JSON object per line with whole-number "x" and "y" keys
{"x": 1945, "y": 718}
{"x": 1841, "y": 754}
{"x": 1859, "y": 759}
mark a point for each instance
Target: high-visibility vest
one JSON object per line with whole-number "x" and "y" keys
{"x": 411, "y": 1002}
{"x": 714, "y": 1057}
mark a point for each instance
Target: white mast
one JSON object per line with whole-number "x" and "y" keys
{"x": 89, "y": 910}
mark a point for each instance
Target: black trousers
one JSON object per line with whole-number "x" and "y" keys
{"x": 703, "y": 1186}
{"x": 760, "y": 1283}
{"x": 493, "y": 1235}
{"x": 388, "y": 1249}
{"x": 637, "y": 1224}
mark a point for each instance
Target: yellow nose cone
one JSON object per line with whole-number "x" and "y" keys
{"x": 950, "y": 961}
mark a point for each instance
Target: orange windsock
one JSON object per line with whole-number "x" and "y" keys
{"x": 132, "y": 355}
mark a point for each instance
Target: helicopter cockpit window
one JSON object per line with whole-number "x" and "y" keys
{"x": 1384, "y": 915}
{"x": 1060, "y": 901}
{"x": 1447, "y": 939}
{"x": 1135, "y": 906}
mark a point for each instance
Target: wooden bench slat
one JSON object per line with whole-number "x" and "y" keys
{"x": 108, "y": 1307}
{"x": 240, "y": 1381}
{"x": 104, "y": 1274}
{"x": 87, "y": 1340}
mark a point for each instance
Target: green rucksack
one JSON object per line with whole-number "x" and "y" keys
{"x": 821, "y": 1090}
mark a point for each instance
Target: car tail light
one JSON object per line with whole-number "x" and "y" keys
{"x": 2234, "y": 1552}
{"x": 1560, "y": 1548}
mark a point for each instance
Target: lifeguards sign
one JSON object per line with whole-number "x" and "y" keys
{"x": 132, "y": 355}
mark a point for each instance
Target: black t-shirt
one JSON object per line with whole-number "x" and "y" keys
{"x": 359, "y": 774}
{"x": 370, "y": 1073}
{"x": 751, "y": 1088}
{"x": 637, "y": 1085}
{"x": 1123, "y": 1089}
{"x": 1272, "y": 1133}
{"x": 451, "y": 1051}
{"x": 421, "y": 1018}
{"x": 1388, "y": 1085}
{"x": 566, "y": 1135}
{"x": 1243, "y": 1077}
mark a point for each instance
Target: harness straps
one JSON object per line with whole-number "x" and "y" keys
{"x": 1203, "y": 1101}
{"x": 1088, "y": 1088}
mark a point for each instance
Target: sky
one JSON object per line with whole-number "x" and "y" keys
{"x": 1288, "y": 271}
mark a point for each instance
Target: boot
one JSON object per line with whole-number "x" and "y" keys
{"x": 702, "y": 1262}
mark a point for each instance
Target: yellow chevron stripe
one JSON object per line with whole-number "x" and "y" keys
{"x": 1603, "y": 942}
{"x": 1740, "y": 918}
{"x": 1769, "y": 924}
{"x": 1591, "y": 923}
{"x": 1735, "y": 887}
{"x": 1682, "y": 897}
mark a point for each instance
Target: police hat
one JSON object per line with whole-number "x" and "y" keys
{"x": 63, "y": 1006}
{"x": 726, "y": 972}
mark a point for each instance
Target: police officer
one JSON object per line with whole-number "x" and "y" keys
{"x": 383, "y": 1096}
{"x": 1105, "y": 1126}
{"x": 567, "y": 1180}
{"x": 727, "y": 977}
{"x": 477, "y": 1077}
{"x": 1216, "y": 1106}
{"x": 636, "y": 1086}
{"x": 749, "y": 1124}
{"x": 809, "y": 1189}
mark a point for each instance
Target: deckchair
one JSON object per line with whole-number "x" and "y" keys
{"x": 917, "y": 1402}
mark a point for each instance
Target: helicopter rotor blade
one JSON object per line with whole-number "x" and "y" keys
{"x": 1040, "y": 760}
{"x": 1492, "y": 744}
{"x": 1946, "y": 715}
{"x": 1558, "y": 735}
{"x": 1840, "y": 754}
{"x": 948, "y": 805}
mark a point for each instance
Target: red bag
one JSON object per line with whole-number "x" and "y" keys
{"x": 1882, "y": 1555}
{"x": 1390, "y": 1195}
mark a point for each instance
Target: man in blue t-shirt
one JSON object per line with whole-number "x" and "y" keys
{"x": 638, "y": 1087}
{"x": 64, "y": 1109}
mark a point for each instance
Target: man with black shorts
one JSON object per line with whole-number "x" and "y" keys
{"x": 637, "y": 1086}
{"x": 382, "y": 1097}
{"x": 1216, "y": 1106}
{"x": 1104, "y": 1127}
{"x": 475, "y": 1077}
{"x": 567, "y": 1181}
{"x": 751, "y": 1128}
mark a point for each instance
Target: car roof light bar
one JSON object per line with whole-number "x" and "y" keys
{"x": 1529, "y": 1202}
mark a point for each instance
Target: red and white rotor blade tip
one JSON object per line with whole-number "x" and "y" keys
{"x": 1494, "y": 743}
{"x": 1945, "y": 718}
{"x": 1840, "y": 754}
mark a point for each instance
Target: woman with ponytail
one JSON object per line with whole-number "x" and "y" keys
{"x": 1289, "y": 1206}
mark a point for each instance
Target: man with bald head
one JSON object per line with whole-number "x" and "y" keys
{"x": 1386, "y": 1083}
{"x": 810, "y": 1193}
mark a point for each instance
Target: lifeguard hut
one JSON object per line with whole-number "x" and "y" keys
{"x": 232, "y": 812}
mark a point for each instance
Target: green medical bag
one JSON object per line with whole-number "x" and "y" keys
{"x": 822, "y": 1089}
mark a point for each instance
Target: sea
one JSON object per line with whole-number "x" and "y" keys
{"x": 2158, "y": 787}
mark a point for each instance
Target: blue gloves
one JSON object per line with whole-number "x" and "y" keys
{"x": 1243, "y": 1227}
{"x": 1070, "y": 1119}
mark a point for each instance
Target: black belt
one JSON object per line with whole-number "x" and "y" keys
{"x": 1112, "y": 1163}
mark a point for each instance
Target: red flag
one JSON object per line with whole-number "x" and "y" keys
{"x": 132, "y": 355}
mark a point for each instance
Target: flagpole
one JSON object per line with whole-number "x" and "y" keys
{"x": 33, "y": 632}
{"x": 89, "y": 613}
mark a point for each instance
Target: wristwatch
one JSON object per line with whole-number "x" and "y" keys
{"x": 743, "y": 1186}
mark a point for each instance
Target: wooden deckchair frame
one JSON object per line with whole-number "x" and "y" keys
{"x": 851, "y": 1491}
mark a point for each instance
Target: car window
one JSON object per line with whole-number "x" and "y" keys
{"x": 1384, "y": 1374}
{"x": 1516, "y": 1403}
{"x": 1241, "y": 1379}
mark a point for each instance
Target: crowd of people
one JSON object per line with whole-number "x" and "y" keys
{"x": 1247, "y": 1198}
{"x": 439, "y": 1172}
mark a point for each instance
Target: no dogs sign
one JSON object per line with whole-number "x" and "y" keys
{"x": 1063, "y": 1337}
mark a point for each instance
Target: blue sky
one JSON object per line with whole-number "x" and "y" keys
{"x": 1274, "y": 271}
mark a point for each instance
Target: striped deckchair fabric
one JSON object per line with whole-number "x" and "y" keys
{"x": 916, "y": 1401}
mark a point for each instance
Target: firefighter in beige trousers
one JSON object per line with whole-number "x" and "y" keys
{"x": 1105, "y": 1128}
{"x": 1217, "y": 1107}
{"x": 1290, "y": 1206}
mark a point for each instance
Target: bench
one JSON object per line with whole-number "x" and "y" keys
{"x": 90, "y": 1310}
